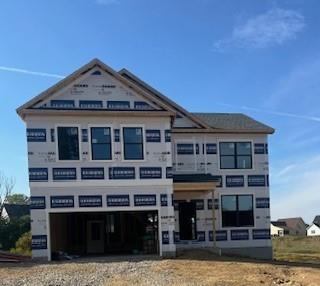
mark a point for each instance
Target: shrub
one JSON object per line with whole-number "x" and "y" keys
{"x": 23, "y": 245}
{"x": 11, "y": 230}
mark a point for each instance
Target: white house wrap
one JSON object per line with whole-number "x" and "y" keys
{"x": 115, "y": 167}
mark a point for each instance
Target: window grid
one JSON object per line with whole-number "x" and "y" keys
{"x": 237, "y": 213}
{"x": 138, "y": 142}
{"x": 236, "y": 156}
{"x": 106, "y": 142}
{"x": 68, "y": 143}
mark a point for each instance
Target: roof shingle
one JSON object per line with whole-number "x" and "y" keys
{"x": 233, "y": 121}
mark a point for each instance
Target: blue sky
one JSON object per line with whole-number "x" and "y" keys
{"x": 257, "y": 57}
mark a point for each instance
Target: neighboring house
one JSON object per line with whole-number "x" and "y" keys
{"x": 277, "y": 228}
{"x": 116, "y": 167}
{"x": 314, "y": 228}
{"x": 11, "y": 211}
{"x": 294, "y": 226}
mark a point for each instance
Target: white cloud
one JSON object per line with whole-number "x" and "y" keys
{"x": 17, "y": 70}
{"x": 107, "y": 2}
{"x": 272, "y": 28}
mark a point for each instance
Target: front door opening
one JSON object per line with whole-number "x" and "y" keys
{"x": 101, "y": 233}
{"x": 187, "y": 220}
{"x": 95, "y": 236}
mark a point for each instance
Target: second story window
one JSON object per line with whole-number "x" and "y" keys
{"x": 235, "y": 155}
{"x": 68, "y": 143}
{"x": 101, "y": 143}
{"x": 133, "y": 143}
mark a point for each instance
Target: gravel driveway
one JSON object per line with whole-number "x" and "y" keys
{"x": 192, "y": 268}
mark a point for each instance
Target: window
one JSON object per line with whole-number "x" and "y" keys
{"x": 100, "y": 143}
{"x": 68, "y": 143}
{"x": 237, "y": 210}
{"x": 133, "y": 143}
{"x": 235, "y": 155}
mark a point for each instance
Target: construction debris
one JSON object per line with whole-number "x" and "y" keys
{"x": 10, "y": 257}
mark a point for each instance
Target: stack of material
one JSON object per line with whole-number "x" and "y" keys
{"x": 9, "y": 257}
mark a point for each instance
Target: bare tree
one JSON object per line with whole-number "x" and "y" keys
{"x": 6, "y": 187}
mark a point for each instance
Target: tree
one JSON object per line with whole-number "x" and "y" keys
{"x": 23, "y": 245}
{"x": 6, "y": 186}
{"x": 11, "y": 230}
{"x": 17, "y": 199}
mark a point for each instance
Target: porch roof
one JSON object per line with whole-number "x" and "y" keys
{"x": 194, "y": 178}
{"x": 194, "y": 182}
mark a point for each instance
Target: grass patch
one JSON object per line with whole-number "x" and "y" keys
{"x": 297, "y": 249}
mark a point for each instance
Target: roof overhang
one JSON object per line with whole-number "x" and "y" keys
{"x": 94, "y": 112}
{"x": 210, "y": 131}
{"x": 89, "y": 66}
{"x": 179, "y": 109}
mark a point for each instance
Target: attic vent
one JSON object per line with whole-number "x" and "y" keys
{"x": 96, "y": 73}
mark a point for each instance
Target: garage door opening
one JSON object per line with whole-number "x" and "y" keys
{"x": 103, "y": 233}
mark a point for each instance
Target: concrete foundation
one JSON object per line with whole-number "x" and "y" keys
{"x": 264, "y": 253}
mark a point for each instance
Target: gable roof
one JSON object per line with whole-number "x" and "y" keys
{"x": 233, "y": 121}
{"x": 279, "y": 223}
{"x": 313, "y": 224}
{"x": 130, "y": 76}
{"x": 204, "y": 122}
{"x": 84, "y": 69}
{"x": 17, "y": 210}
{"x": 316, "y": 220}
{"x": 292, "y": 222}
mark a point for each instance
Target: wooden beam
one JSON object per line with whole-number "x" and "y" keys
{"x": 194, "y": 186}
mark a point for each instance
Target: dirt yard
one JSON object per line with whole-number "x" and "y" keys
{"x": 190, "y": 268}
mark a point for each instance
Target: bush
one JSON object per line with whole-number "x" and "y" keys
{"x": 11, "y": 230}
{"x": 23, "y": 245}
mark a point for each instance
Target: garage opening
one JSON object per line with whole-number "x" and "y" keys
{"x": 103, "y": 233}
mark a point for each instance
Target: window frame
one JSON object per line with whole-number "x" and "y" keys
{"x": 235, "y": 155}
{"x": 237, "y": 206}
{"x": 111, "y": 142}
{"x": 142, "y": 126}
{"x": 57, "y": 141}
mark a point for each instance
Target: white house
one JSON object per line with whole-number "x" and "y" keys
{"x": 116, "y": 167}
{"x": 314, "y": 228}
{"x": 277, "y": 229}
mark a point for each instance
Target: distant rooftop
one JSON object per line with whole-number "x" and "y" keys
{"x": 316, "y": 220}
{"x": 17, "y": 210}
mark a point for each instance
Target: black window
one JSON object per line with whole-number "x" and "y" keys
{"x": 235, "y": 155}
{"x": 237, "y": 210}
{"x": 101, "y": 143}
{"x": 133, "y": 143}
{"x": 68, "y": 143}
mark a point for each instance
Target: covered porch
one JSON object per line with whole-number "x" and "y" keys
{"x": 194, "y": 205}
